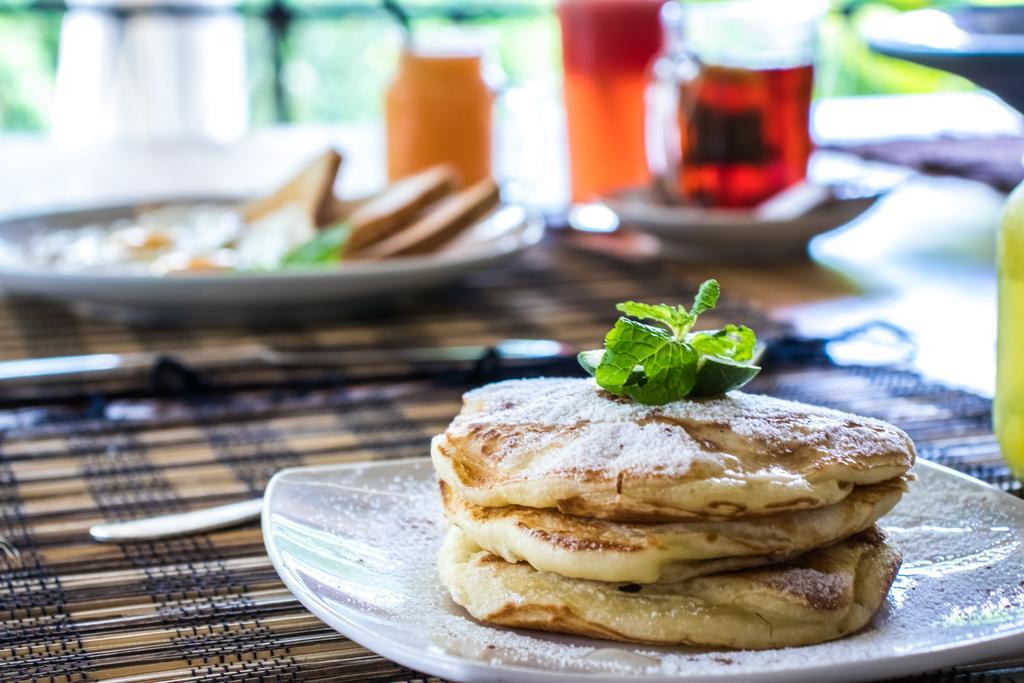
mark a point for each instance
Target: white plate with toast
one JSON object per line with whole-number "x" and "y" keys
{"x": 272, "y": 295}
{"x": 416, "y": 234}
{"x": 357, "y": 545}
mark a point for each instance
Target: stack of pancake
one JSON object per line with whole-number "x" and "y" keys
{"x": 738, "y": 521}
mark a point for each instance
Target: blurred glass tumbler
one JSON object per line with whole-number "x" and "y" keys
{"x": 728, "y": 120}
{"x": 439, "y": 110}
{"x": 607, "y": 46}
{"x": 150, "y": 70}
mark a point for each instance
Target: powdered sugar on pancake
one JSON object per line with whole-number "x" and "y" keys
{"x": 610, "y": 447}
{"x": 568, "y": 400}
{"x": 589, "y": 429}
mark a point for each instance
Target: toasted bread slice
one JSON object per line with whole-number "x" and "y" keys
{"x": 393, "y": 209}
{"x": 311, "y": 189}
{"x": 336, "y": 211}
{"x": 439, "y": 224}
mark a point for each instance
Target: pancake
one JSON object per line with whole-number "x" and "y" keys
{"x": 820, "y": 596}
{"x": 603, "y": 550}
{"x": 567, "y": 444}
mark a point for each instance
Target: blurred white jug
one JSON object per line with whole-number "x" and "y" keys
{"x": 150, "y": 71}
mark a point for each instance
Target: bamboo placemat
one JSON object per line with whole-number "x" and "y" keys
{"x": 553, "y": 291}
{"x": 210, "y": 607}
{"x": 549, "y": 293}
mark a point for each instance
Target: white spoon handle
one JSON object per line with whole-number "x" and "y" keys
{"x": 180, "y": 524}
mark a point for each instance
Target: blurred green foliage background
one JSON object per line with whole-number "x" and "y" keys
{"x": 336, "y": 65}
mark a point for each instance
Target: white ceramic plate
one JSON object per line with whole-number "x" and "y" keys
{"x": 731, "y": 235}
{"x": 285, "y": 294}
{"x": 356, "y": 544}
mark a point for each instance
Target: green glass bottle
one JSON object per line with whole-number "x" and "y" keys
{"x": 1008, "y": 410}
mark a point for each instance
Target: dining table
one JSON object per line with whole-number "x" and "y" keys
{"x": 893, "y": 316}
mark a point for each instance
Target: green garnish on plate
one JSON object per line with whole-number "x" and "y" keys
{"x": 325, "y": 247}
{"x": 662, "y": 362}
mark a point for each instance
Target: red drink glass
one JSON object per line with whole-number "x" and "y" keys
{"x": 607, "y": 46}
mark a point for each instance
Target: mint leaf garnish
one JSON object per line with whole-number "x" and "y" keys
{"x": 670, "y": 316}
{"x": 663, "y": 362}
{"x": 324, "y": 247}
{"x": 676, "y": 318}
{"x": 667, "y": 367}
{"x": 735, "y": 342}
{"x": 706, "y": 299}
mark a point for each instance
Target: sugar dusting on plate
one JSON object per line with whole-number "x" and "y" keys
{"x": 961, "y": 579}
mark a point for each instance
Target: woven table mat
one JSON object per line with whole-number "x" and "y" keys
{"x": 551, "y": 292}
{"x": 210, "y": 607}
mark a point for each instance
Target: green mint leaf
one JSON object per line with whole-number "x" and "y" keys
{"x": 656, "y": 364}
{"x": 646, "y": 363}
{"x": 669, "y": 386}
{"x": 590, "y": 361}
{"x": 662, "y": 313}
{"x": 324, "y": 247}
{"x": 626, "y": 346}
{"x": 735, "y": 342}
{"x": 674, "y": 318}
{"x": 706, "y": 298}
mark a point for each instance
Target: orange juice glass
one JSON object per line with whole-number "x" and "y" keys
{"x": 438, "y": 110}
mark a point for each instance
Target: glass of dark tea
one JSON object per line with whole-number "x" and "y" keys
{"x": 728, "y": 105}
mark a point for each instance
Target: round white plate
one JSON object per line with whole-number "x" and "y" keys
{"x": 696, "y": 234}
{"x": 356, "y": 545}
{"x": 284, "y": 294}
